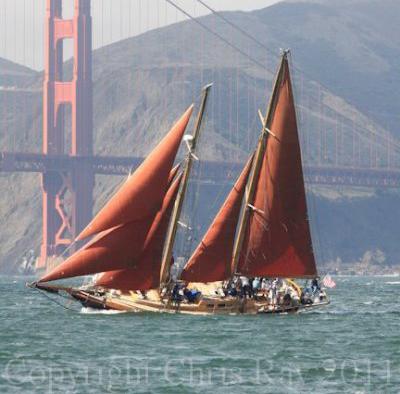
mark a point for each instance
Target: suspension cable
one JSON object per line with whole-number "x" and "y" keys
{"x": 252, "y": 59}
{"x": 238, "y": 28}
{"x": 235, "y": 47}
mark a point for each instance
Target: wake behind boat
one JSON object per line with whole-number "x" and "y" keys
{"x": 261, "y": 232}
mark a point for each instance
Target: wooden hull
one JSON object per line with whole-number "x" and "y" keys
{"x": 205, "y": 306}
{"x": 133, "y": 303}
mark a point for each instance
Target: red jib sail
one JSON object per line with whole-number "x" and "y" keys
{"x": 210, "y": 261}
{"x": 143, "y": 192}
{"x": 117, "y": 248}
{"x": 120, "y": 246}
{"x": 145, "y": 274}
{"x": 278, "y": 241}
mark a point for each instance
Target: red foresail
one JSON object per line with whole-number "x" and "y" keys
{"x": 114, "y": 249}
{"x": 145, "y": 274}
{"x": 142, "y": 195}
{"x": 119, "y": 246}
{"x": 278, "y": 241}
{"x": 211, "y": 260}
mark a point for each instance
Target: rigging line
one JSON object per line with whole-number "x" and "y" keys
{"x": 245, "y": 33}
{"x": 258, "y": 42}
{"x": 236, "y": 48}
{"x": 232, "y": 45}
{"x": 68, "y": 248}
{"x": 55, "y": 301}
{"x": 310, "y": 79}
{"x": 238, "y": 28}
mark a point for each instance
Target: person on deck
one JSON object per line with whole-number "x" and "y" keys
{"x": 274, "y": 292}
{"x": 191, "y": 295}
{"x": 245, "y": 287}
{"x": 231, "y": 288}
{"x": 256, "y": 285}
{"x": 294, "y": 297}
{"x": 265, "y": 287}
{"x": 176, "y": 294}
{"x": 315, "y": 286}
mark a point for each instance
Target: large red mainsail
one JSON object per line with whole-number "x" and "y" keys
{"x": 210, "y": 261}
{"x": 143, "y": 192}
{"x": 278, "y": 241}
{"x": 145, "y": 274}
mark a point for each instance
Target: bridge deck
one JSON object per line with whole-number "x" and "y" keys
{"x": 212, "y": 171}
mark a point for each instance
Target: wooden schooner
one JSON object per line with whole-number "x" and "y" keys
{"x": 261, "y": 230}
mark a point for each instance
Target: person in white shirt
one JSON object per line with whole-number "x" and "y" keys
{"x": 245, "y": 290}
{"x": 256, "y": 285}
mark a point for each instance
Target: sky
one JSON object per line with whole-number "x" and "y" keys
{"x": 21, "y": 22}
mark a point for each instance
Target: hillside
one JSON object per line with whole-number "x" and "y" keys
{"x": 15, "y": 75}
{"x": 352, "y": 47}
{"x": 138, "y": 93}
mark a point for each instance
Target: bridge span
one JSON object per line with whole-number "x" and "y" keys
{"x": 212, "y": 171}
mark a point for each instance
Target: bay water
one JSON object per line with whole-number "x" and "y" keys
{"x": 351, "y": 346}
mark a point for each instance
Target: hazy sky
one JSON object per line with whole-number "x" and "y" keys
{"x": 21, "y": 22}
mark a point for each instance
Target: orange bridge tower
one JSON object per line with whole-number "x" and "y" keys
{"x": 68, "y": 192}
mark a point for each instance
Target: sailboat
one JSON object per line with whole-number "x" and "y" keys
{"x": 261, "y": 230}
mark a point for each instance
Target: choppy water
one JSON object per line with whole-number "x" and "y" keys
{"x": 352, "y": 346}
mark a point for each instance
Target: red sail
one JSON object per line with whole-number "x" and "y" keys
{"x": 145, "y": 274}
{"x": 141, "y": 196}
{"x": 278, "y": 241}
{"x": 210, "y": 262}
{"x": 117, "y": 248}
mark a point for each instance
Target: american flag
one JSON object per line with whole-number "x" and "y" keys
{"x": 328, "y": 282}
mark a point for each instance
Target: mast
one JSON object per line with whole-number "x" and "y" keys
{"x": 171, "y": 233}
{"x": 208, "y": 261}
{"x": 255, "y": 172}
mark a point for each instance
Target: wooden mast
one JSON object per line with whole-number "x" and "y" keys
{"x": 255, "y": 172}
{"x": 171, "y": 233}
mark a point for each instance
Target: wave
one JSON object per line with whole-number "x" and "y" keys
{"x": 393, "y": 283}
{"x": 92, "y": 311}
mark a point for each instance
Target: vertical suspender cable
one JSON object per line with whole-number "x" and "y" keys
{"x": 111, "y": 21}
{"x": 165, "y": 43}
{"x": 119, "y": 20}
{"x": 15, "y": 109}
{"x": 130, "y": 19}
{"x": 238, "y": 143}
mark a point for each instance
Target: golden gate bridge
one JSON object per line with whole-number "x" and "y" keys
{"x": 337, "y": 152}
